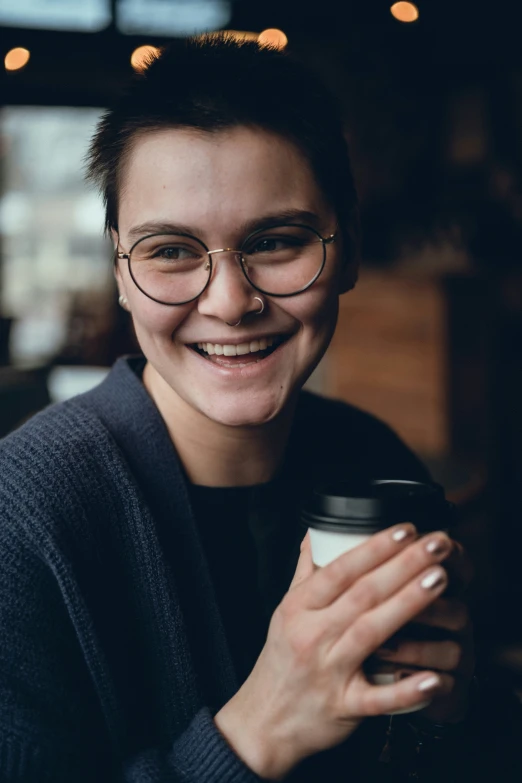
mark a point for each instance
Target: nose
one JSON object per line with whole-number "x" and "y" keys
{"x": 229, "y": 295}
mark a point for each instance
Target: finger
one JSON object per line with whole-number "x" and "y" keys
{"x": 335, "y": 578}
{"x": 305, "y": 566}
{"x": 444, "y": 656}
{"x": 370, "y": 630}
{"x": 448, "y": 613}
{"x": 413, "y": 692}
{"x": 378, "y": 585}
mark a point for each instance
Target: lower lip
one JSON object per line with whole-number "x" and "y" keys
{"x": 250, "y": 370}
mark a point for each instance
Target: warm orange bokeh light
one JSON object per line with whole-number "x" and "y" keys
{"x": 140, "y": 57}
{"x": 16, "y": 58}
{"x": 273, "y": 37}
{"x": 405, "y": 12}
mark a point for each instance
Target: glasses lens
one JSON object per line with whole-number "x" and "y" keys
{"x": 283, "y": 260}
{"x": 170, "y": 268}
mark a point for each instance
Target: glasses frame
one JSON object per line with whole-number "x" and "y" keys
{"x": 328, "y": 240}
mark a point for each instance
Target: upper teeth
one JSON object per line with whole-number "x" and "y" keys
{"x": 237, "y": 350}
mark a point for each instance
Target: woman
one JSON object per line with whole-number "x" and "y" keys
{"x": 158, "y": 619}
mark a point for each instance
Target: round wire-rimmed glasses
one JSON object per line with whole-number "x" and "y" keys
{"x": 175, "y": 269}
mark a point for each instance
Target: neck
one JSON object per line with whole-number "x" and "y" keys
{"x": 214, "y": 454}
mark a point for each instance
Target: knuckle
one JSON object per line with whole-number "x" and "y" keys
{"x": 376, "y": 702}
{"x": 335, "y": 571}
{"x": 372, "y": 706}
{"x": 304, "y": 644}
{"x": 364, "y": 594}
{"x": 301, "y": 636}
{"x": 365, "y": 634}
{"x": 288, "y": 608}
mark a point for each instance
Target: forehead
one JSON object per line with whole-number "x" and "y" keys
{"x": 213, "y": 179}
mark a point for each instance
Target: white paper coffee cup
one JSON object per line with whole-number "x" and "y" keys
{"x": 341, "y": 517}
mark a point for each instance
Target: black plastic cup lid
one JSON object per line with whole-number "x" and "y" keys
{"x": 367, "y": 508}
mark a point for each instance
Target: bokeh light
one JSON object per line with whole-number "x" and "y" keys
{"x": 140, "y": 58}
{"x": 16, "y": 58}
{"x": 273, "y": 37}
{"x": 405, "y": 12}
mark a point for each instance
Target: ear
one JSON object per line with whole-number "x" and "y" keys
{"x": 115, "y": 239}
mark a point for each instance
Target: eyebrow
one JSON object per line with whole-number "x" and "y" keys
{"x": 287, "y": 215}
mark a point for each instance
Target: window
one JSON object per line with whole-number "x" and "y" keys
{"x": 172, "y": 17}
{"x": 51, "y": 222}
{"x": 85, "y": 15}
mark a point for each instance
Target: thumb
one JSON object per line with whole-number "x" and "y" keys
{"x": 305, "y": 565}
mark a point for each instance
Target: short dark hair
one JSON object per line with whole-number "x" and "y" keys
{"x": 214, "y": 82}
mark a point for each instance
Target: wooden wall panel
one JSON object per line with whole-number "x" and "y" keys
{"x": 388, "y": 356}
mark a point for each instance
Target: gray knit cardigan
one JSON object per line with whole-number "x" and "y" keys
{"x": 113, "y": 656}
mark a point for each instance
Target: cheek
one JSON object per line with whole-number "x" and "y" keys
{"x": 151, "y": 318}
{"x": 154, "y": 320}
{"x": 317, "y": 310}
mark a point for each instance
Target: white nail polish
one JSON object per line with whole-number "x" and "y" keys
{"x": 433, "y": 579}
{"x": 429, "y": 683}
{"x": 400, "y": 534}
{"x": 436, "y": 546}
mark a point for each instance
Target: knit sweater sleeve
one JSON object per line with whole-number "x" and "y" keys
{"x": 49, "y": 728}
{"x": 54, "y": 725}
{"x": 199, "y": 755}
{"x": 48, "y": 732}
{"x": 48, "y": 718}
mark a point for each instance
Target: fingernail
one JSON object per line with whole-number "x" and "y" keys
{"x": 438, "y": 546}
{"x": 403, "y": 532}
{"x": 429, "y": 683}
{"x": 433, "y": 579}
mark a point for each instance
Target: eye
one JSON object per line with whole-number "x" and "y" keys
{"x": 174, "y": 253}
{"x": 272, "y": 244}
{"x": 266, "y": 245}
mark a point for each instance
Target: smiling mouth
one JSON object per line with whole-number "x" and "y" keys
{"x": 239, "y": 355}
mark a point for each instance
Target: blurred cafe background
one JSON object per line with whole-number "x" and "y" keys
{"x": 430, "y": 340}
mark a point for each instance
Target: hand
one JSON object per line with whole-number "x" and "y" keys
{"x": 307, "y": 691}
{"x": 455, "y": 656}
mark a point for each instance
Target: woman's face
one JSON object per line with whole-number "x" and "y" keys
{"x": 218, "y": 186}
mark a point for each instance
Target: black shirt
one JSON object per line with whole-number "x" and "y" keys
{"x": 222, "y": 516}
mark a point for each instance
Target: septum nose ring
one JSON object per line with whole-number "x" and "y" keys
{"x": 257, "y": 312}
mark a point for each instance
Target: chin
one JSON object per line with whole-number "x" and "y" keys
{"x": 251, "y": 412}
